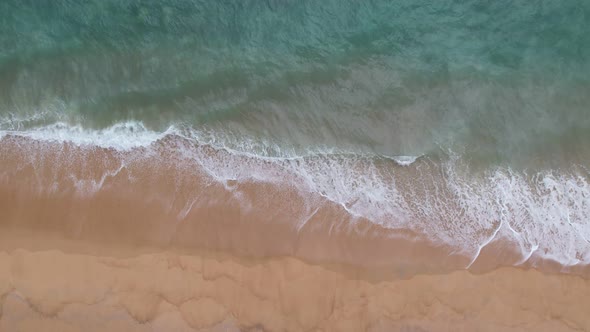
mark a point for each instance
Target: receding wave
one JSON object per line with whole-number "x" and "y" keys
{"x": 161, "y": 182}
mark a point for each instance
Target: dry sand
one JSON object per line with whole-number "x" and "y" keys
{"x": 61, "y": 289}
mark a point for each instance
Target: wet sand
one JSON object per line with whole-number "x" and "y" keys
{"x": 154, "y": 197}
{"x": 162, "y": 248}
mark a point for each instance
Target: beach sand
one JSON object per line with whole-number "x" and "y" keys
{"x": 286, "y": 166}
{"x": 50, "y": 283}
{"x": 141, "y": 254}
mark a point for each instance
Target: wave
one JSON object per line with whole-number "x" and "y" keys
{"x": 187, "y": 177}
{"x": 405, "y": 160}
{"x": 123, "y": 136}
{"x": 134, "y": 134}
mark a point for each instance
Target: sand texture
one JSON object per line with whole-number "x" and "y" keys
{"x": 51, "y": 290}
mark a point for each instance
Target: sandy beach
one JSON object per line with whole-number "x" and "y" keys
{"x": 294, "y": 166}
{"x": 53, "y": 284}
{"x": 118, "y": 261}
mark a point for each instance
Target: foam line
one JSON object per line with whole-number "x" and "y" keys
{"x": 527, "y": 257}
{"x": 405, "y": 160}
{"x": 304, "y": 221}
{"x": 479, "y": 249}
{"x": 122, "y": 136}
{"x": 434, "y": 198}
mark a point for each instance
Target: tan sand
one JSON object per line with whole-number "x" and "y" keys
{"x": 61, "y": 290}
{"x": 154, "y": 197}
{"x": 141, "y": 254}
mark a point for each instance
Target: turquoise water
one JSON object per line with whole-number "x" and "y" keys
{"x": 499, "y": 82}
{"x": 464, "y": 122}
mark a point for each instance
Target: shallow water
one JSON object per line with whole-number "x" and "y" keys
{"x": 462, "y": 122}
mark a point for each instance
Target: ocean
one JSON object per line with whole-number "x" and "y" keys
{"x": 450, "y": 125}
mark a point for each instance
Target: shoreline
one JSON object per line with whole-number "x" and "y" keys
{"x": 165, "y": 247}
{"x": 15, "y": 239}
{"x": 59, "y": 289}
{"x": 155, "y": 195}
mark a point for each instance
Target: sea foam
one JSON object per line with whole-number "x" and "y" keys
{"x": 121, "y": 136}
{"x": 544, "y": 214}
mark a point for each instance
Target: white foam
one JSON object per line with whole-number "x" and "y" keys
{"x": 133, "y": 134}
{"x": 546, "y": 214}
{"x": 405, "y": 160}
{"x": 90, "y": 186}
{"x": 20, "y": 121}
{"x": 483, "y": 245}
{"x": 121, "y": 136}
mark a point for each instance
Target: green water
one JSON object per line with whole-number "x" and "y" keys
{"x": 498, "y": 82}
